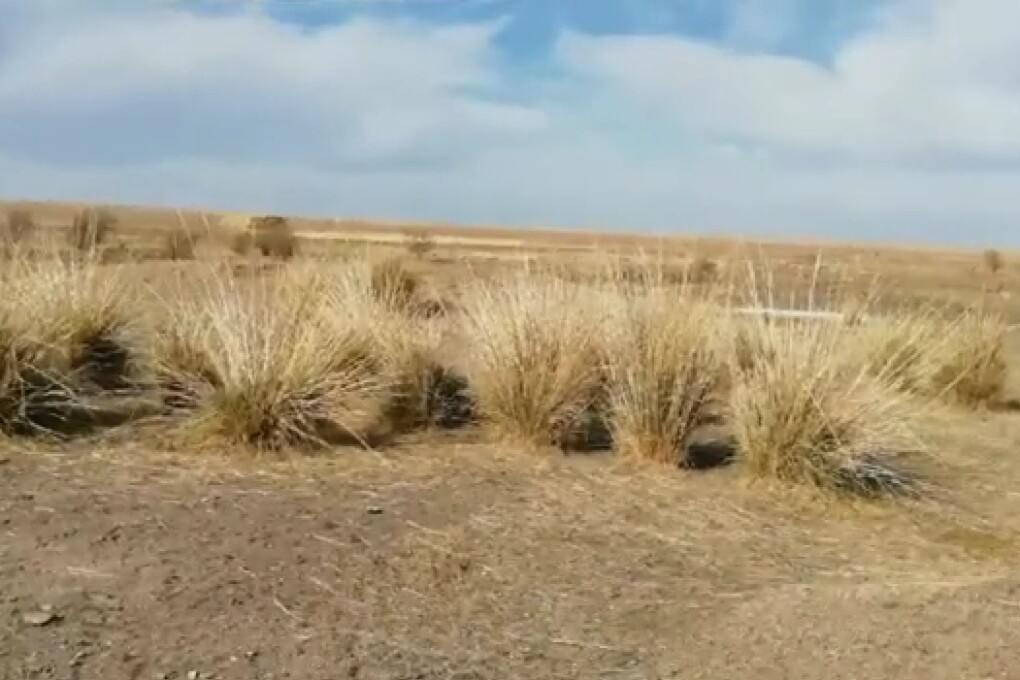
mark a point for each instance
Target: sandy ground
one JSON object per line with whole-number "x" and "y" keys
{"x": 444, "y": 558}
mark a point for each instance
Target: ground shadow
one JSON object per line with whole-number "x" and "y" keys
{"x": 708, "y": 454}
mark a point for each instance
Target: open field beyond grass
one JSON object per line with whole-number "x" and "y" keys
{"x": 473, "y": 454}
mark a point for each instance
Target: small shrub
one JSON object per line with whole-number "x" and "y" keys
{"x": 533, "y": 355}
{"x": 665, "y": 369}
{"x": 805, "y": 414}
{"x": 91, "y": 228}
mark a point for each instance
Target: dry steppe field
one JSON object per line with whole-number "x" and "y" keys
{"x": 322, "y": 449}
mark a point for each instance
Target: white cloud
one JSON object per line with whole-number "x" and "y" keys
{"x": 942, "y": 82}
{"x": 361, "y": 91}
{"x": 913, "y": 133}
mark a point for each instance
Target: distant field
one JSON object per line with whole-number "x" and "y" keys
{"x": 954, "y": 275}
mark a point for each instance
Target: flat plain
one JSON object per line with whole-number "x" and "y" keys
{"x": 128, "y": 551}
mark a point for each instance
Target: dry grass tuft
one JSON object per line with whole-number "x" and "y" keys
{"x": 87, "y": 314}
{"x": 971, "y": 366}
{"x": 267, "y": 366}
{"x": 805, "y": 413}
{"x": 899, "y": 349}
{"x": 958, "y": 359}
{"x": 422, "y": 391}
{"x": 67, "y": 327}
{"x": 28, "y": 379}
{"x": 91, "y": 228}
{"x": 665, "y": 368}
{"x": 534, "y": 352}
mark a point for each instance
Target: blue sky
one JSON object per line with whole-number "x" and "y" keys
{"x": 845, "y": 119}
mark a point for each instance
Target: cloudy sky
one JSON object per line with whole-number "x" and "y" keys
{"x": 847, "y": 119}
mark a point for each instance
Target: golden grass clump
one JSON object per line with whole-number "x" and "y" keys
{"x": 961, "y": 359}
{"x": 533, "y": 352}
{"x": 665, "y": 368}
{"x": 267, "y": 366}
{"x": 900, "y": 349}
{"x": 971, "y": 367}
{"x": 404, "y": 343}
{"x": 28, "y": 380}
{"x": 85, "y": 313}
{"x": 807, "y": 412}
{"x": 67, "y": 328}
{"x": 91, "y": 228}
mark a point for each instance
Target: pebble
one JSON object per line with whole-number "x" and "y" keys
{"x": 43, "y": 617}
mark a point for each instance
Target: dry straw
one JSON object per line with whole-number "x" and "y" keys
{"x": 805, "y": 408}
{"x": 534, "y": 353}
{"x": 265, "y": 365}
{"x": 665, "y": 369}
{"x": 804, "y": 412}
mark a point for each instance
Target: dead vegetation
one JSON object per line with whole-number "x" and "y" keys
{"x": 804, "y": 413}
{"x": 534, "y": 355}
{"x": 633, "y": 357}
{"x": 665, "y": 368}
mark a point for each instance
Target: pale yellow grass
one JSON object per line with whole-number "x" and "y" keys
{"x": 269, "y": 366}
{"x": 534, "y": 351}
{"x": 665, "y": 365}
{"x": 807, "y": 412}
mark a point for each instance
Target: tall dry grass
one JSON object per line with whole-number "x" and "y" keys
{"x": 959, "y": 359}
{"x": 665, "y": 367}
{"x": 534, "y": 350}
{"x": 68, "y": 326}
{"x": 264, "y": 363}
{"x": 807, "y": 412}
{"x": 382, "y": 300}
{"x": 818, "y": 400}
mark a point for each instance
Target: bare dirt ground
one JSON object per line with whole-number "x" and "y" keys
{"x": 446, "y": 558}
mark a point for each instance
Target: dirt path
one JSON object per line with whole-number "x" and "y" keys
{"x": 455, "y": 563}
